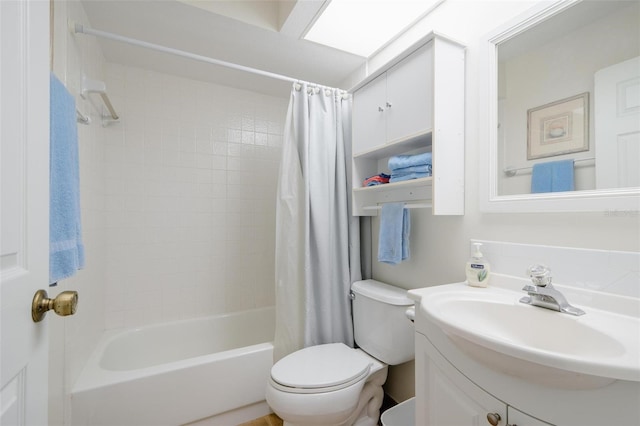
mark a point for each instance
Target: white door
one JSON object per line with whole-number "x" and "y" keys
{"x": 518, "y": 418}
{"x": 410, "y": 95}
{"x": 369, "y": 119}
{"x": 24, "y": 208}
{"x": 617, "y": 125}
{"x": 447, "y": 398}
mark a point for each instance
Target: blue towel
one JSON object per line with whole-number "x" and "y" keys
{"x": 395, "y": 225}
{"x": 403, "y": 161}
{"x": 66, "y": 251}
{"x": 407, "y": 176}
{"x": 553, "y": 176}
{"x": 425, "y": 168}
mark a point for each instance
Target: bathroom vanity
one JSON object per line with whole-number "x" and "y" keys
{"x": 485, "y": 358}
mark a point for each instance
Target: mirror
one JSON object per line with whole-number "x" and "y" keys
{"x": 563, "y": 123}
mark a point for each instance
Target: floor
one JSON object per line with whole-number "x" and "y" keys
{"x": 270, "y": 420}
{"x": 273, "y": 420}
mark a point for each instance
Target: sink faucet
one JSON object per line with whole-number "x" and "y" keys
{"x": 543, "y": 294}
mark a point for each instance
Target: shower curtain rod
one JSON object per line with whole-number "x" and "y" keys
{"x": 81, "y": 29}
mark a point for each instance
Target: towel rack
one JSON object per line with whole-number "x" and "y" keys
{"x": 406, "y": 206}
{"x": 81, "y": 118}
{"x": 510, "y": 172}
{"x": 96, "y": 86}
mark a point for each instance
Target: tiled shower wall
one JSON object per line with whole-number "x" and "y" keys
{"x": 191, "y": 177}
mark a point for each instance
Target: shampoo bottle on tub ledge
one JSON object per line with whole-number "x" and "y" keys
{"x": 478, "y": 269}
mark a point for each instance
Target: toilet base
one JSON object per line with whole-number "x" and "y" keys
{"x": 367, "y": 412}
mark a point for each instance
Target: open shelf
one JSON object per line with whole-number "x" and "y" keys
{"x": 364, "y": 198}
{"x": 420, "y": 140}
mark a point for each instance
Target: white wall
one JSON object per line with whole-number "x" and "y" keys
{"x": 440, "y": 245}
{"x": 178, "y": 202}
{"x": 191, "y": 176}
{"x": 72, "y": 338}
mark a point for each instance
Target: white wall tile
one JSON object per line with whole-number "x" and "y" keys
{"x": 188, "y": 170}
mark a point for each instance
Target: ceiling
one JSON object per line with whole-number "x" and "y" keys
{"x": 260, "y": 34}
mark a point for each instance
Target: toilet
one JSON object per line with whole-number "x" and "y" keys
{"x": 333, "y": 384}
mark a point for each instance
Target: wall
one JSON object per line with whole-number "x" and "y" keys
{"x": 178, "y": 202}
{"x": 440, "y": 245}
{"x": 72, "y": 338}
{"x": 191, "y": 175}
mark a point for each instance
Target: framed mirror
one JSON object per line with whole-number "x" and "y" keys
{"x": 562, "y": 110}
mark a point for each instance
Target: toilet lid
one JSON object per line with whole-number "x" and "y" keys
{"x": 333, "y": 365}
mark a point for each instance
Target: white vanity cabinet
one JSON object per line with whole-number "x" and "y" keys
{"x": 413, "y": 104}
{"x": 451, "y": 399}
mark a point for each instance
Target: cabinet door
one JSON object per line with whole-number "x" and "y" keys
{"x": 518, "y": 418}
{"x": 369, "y": 115}
{"x": 410, "y": 95}
{"x": 447, "y": 398}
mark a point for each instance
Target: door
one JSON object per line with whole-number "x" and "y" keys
{"x": 369, "y": 116}
{"x": 518, "y": 418}
{"x": 446, "y": 397}
{"x": 617, "y": 125}
{"x": 410, "y": 95}
{"x": 24, "y": 199}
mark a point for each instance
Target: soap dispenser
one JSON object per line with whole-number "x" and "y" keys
{"x": 478, "y": 269}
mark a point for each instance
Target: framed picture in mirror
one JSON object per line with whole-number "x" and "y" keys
{"x": 558, "y": 128}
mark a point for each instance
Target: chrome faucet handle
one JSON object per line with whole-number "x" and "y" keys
{"x": 540, "y": 275}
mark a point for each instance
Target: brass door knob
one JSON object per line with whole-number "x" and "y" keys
{"x": 493, "y": 419}
{"x": 64, "y": 304}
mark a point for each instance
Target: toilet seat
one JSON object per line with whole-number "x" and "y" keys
{"x": 321, "y": 368}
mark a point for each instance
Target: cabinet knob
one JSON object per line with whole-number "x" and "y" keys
{"x": 380, "y": 109}
{"x": 388, "y": 105}
{"x": 493, "y": 419}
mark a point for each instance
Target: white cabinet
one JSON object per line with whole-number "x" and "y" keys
{"x": 518, "y": 418}
{"x": 369, "y": 115}
{"x": 395, "y": 104}
{"x": 445, "y": 397}
{"x": 413, "y": 104}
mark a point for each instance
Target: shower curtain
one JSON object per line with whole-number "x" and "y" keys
{"x": 317, "y": 237}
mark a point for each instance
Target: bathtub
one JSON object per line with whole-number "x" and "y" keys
{"x": 214, "y": 368}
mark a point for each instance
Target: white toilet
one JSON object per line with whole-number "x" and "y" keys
{"x": 334, "y": 384}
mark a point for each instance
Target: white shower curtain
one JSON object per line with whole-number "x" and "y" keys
{"x": 317, "y": 237}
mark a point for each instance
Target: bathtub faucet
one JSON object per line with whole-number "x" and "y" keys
{"x": 543, "y": 294}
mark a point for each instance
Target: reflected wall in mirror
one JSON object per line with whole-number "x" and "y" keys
{"x": 568, "y": 88}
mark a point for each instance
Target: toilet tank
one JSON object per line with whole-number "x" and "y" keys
{"x": 381, "y": 327}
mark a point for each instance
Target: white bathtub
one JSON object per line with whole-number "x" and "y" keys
{"x": 176, "y": 373}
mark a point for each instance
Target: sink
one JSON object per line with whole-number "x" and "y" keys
{"x": 543, "y": 346}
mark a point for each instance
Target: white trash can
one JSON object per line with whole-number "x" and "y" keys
{"x": 403, "y": 414}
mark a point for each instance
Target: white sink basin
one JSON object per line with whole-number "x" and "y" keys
{"x": 544, "y": 346}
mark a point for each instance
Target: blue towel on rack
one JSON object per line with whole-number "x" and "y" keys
{"x": 393, "y": 241}
{"x": 403, "y": 161}
{"x": 66, "y": 251}
{"x": 553, "y": 176}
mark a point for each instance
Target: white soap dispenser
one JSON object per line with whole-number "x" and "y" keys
{"x": 478, "y": 269}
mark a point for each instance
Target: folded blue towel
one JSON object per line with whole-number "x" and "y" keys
{"x": 426, "y": 168}
{"x": 553, "y": 176}
{"x": 395, "y": 226}
{"x": 402, "y": 161}
{"x": 66, "y": 251}
{"x": 409, "y": 176}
